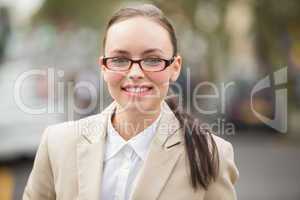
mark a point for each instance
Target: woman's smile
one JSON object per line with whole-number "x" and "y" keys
{"x": 133, "y": 90}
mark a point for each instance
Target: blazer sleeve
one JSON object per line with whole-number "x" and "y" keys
{"x": 40, "y": 185}
{"x": 223, "y": 187}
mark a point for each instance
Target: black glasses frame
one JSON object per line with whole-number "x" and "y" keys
{"x": 167, "y": 63}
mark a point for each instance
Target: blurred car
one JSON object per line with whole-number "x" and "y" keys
{"x": 20, "y": 132}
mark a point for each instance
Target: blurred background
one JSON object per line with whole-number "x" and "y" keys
{"x": 244, "y": 55}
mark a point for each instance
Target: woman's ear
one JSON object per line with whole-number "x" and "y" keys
{"x": 100, "y": 63}
{"x": 176, "y": 68}
{"x": 102, "y": 68}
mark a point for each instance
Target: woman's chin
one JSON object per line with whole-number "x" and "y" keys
{"x": 143, "y": 107}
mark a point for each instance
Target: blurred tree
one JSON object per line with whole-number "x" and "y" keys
{"x": 92, "y": 13}
{"x": 277, "y": 26}
{"x": 4, "y": 30}
{"x": 274, "y": 20}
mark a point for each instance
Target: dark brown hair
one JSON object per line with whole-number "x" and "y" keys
{"x": 200, "y": 146}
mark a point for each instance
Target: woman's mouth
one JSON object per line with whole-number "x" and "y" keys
{"x": 137, "y": 91}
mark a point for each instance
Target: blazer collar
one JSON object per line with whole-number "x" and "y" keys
{"x": 90, "y": 153}
{"x": 163, "y": 154}
{"x": 165, "y": 151}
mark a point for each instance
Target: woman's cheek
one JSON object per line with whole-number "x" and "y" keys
{"x": 113, "y": 77}
{"x": 161, "y": 82}
{"x": 113, "y": 80}
{"x": 159, "y": 78}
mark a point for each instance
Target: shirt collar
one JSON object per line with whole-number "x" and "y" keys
{"x": 139, "y": 143}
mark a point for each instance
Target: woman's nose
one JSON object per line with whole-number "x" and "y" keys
{"x": 135, "y": 72}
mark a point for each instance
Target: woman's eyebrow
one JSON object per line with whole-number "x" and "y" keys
{"x": 120, "y": 51}
{"x": 152, "y": 51}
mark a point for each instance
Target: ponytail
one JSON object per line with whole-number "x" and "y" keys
{"x": 203, "y": 161}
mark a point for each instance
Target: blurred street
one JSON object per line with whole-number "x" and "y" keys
{"x": 269, "y": 166}
{"x": 268, "y": 163}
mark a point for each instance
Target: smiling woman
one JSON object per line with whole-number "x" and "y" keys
{"x": 142, "y": 38}
{"x": 142, "y": 146}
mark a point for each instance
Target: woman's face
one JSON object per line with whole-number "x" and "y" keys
{"x": 139, "y": 38}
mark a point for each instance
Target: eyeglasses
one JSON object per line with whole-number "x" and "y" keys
{"x": 146, "y": 64}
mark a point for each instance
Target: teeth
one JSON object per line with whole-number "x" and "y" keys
{"x": 136, "y": 90}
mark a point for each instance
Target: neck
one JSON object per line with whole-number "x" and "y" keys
{"x": 130, "y": 123}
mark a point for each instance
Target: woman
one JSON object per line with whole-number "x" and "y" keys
{"x": 142, "y": 146}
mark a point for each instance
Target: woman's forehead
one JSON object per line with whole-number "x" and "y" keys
{"x": 138, "y": 34}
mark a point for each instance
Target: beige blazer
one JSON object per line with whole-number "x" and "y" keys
{"x": 68, "y": 164}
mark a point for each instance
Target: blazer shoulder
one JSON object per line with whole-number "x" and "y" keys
{"x": 61, "y": 131}
{"x": 68, "y": 132}
{"x": 226, "y": 158}
{"x": 224, "y": 146}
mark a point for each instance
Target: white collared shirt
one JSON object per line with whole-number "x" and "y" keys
{"x": 123, "y": 160}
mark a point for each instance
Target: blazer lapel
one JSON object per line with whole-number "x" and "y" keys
{"x": 163, "y": 154}
{"x": 90, "y": 152}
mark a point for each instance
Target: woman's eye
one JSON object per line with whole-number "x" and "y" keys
{"x": 119, "y": 60}
{"x": 153, "y": 61}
